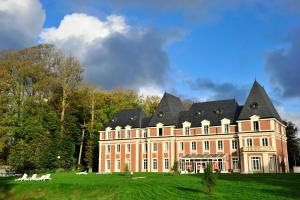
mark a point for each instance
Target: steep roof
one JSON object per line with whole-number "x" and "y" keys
{"x": 167, "y": 111}
{"x": 258, "y": 103}
{"x": 132, "y": 117}
{"x": 213, "y": 111}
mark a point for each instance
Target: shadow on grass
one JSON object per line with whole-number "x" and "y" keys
{"x": 185, "y": 189}
{"x": 6, "y": 188}
{"x": 288, "y": 183}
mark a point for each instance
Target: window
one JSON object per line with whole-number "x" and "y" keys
{"x": 265, "y": 142}
{"x": 235, "y": 163}
{"x": 160, "y": 132}
{"x": 145, "y": 164}
{"x": 128, "y": 147}
{"x": 255, "y": 126}
{"x": 187, "y": 130}
{"x": 249, "y": 142}
{"x": 271, "y": 163}
{"x": 194, "y": 146}
{"x": 226, "y": 128}
{"x": 107, "y": 164}
{"x": 145, "y": 149}
{"x": 256, "y": 164}
{"x": 109, "y": 135}
{"x": 127, "y": 164}
{"x": 206, "y": 145}
{"x": 145, "y": 133}
{"x": 166, "y": 163}
{"x": 234, "y": 144}
{"x": 181, "y": 146}
{"x": 128, "y": 133}
{"x": 155, "y": 164}
{"x": 118, "y": 165}
{"x": 108, "y": 148}
{"x": 154, "y": 146}
{"x": 118, "y": 135}
{"x": 118, "y": 148}
{"x": 166, "y": 146}
{"x": 220, "y": 145}
{"x": 206, "y": 129}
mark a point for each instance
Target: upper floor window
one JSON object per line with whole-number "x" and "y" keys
{"x": 154, "y": 146}
{"x": 145, "y": 133}
{"x": 249, "y": 142}
{"x": 145, "y": 148}
{"x": 194, "y": 146}
{"x": 255, "y": 126}
{"x": 128, "y": 147}
{"x": 206, "y": 129}
{"x": 206, "y": 145}
{"x": 128, "y": 133}
{"x": 109, "y": 135}
{"x": 265, "y": 142}
{"x": 108, "y": 148}
{"x": 234, "y": 144}
{"x": 187, "y": 130}
{"x": 118, "y": 135}
{"x": 166, "y": 146}
{"x": 225, "y": 125}
{"x": 160, "y": 132}
{"x": 226, "y": 128}
{"x": 220, "y": 145}
{"x": 181, "y": 146}
{"x": 118, "y": 148}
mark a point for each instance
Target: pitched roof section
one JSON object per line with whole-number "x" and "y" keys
{"x": 258, "y": 103}
{"x": 133, "y": 117}
{"x": 213, "y": 111}
{"x": 167, "y": 111}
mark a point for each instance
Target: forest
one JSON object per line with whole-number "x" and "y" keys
{"x": 49, "y": 115}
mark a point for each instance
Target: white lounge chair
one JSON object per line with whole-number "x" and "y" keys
{"x": 33, "y": 177}
{"x": 47, "y": 177}
{"x": 82, "y": 173}
{"x": 23, "y": 178}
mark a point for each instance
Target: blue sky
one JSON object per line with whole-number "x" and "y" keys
{"x": 198, "y": 50}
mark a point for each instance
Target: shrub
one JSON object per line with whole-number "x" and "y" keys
{"x": 209, "y": 179}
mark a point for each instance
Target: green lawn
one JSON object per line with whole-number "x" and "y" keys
{"x": 153, "y": 186}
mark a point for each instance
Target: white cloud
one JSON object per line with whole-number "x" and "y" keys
{"x": 150, "y": 91}
{"x": 293, "y": 117}
{"x": 21, "y": 21}
{"x": 115, "y": 54}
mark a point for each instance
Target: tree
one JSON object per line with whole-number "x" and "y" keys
{"x": 149, "y": 104}
{"x": 209, "y": 180}
{"x": 293, "y": 146}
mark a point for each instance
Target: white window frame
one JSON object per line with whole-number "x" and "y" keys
{"x": 186, "y": 128}
{"x": 156, "y": 145}
{"x": 154, "y": 159}
{"x": 263, "y": 142}
{"x": 106, "y": 164}
{"x": 234, "y": 141}
{"x": 179, "y": 146}
{"x": 128, "y": 130}
{"x": 204, "y": 146}
{"x": 108, "y": 133}
{"x": 145, "y": 163}
{"x": 166, "y": 164}
{"x": 203, "y": 124}
{"x": 253, "y": 119}
{"x": 158, "y": 126}
{"x": 128, "y": 150}
{"x": 232, "y": 165}
{"x": 145, "y": 147}
{"x": 248, "y": 143}
{"x": 217, "y": 145}
{"x": 118, "y": 148}
{"x": 108, "y": 149}
{"x": 117, "y": 169}
{"x": 145, "y": 133}
{"x": 195, "y": 150}
{"x": 166, "y": 147}
{"x": 225, "y": 122}
{"x": 118, "y": 131}
{"x": 260, "y": 164}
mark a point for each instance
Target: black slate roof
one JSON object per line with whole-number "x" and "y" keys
{"x": 258, "y": 103}
{"x": 167, "y": 111}
{"x": 133, "y": 117}
{"x": 213, "y": 111}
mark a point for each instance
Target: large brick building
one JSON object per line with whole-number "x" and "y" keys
{"x": 248, "y": 138}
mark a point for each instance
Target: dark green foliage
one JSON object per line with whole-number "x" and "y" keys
{"x": 293, "y": 145}
{"x": 209, "y": 179}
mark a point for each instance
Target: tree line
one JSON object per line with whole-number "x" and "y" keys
{"x": 49, "y": 116}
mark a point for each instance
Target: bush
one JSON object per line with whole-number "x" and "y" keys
{"x": 209, "y": 179}
{"x": 175, "y": 167}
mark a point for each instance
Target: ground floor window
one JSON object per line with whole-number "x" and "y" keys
{"x": 235, "y": 163}
{"x": 127, "y": 164}
{"x": 271, "y": 163}
{"x": 145, "y": 164}
{"x": 256, "y": 163}
{"x": 166, "y": 163}
{"x": 118, "y": 165}
{"x": 154, "y": 164}
{"x": 107, "y": 164}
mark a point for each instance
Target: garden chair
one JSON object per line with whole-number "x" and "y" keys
{"x": 47, "y": 177}
{"x": 23, "y": 178}
{"x": 33, "y": 177}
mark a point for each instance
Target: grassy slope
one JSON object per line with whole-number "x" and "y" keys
{"x": 154, "y": 186}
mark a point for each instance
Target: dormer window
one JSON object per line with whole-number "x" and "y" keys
{"x": 199, "y": 112}
{"x": 132, "y": 118}
{"x": 254, "y": 105}
{"x": 225, "y": 125}
{"x": 160, "y": 114}
{"x": 145, "y": 133}
{"x": 128, "y": 131}
{"x": 255, "y": 126}
{"x": 108, "y": 133}
{"x": 186, "y": 128}
{"x": 218, "y": 111}
{"x": 205, "y": 126}
{"x": 114, "y": 120}
{"x": 118, "y": 132}
{"x": 159, "y": 129}
{"x": 160, "y": 132}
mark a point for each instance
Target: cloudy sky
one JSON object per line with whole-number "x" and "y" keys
{"x": 196, "y": 49}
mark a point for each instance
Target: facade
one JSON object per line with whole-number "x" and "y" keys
{"x": 247, "y": 139}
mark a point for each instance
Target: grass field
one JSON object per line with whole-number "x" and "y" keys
{"x": 153, "y": 186}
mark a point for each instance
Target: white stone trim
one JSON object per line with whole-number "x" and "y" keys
{"x": 205, "y": 123}
{"x": 158, "y": 126}
{"x": 224, "y": 122}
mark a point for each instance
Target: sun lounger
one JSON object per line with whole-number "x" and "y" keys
{"x": 82, "y": 173}
{"x": 23, "y": 178}
{"x": 33, "y": 178}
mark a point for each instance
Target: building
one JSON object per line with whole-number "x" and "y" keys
{"x": 247, "y": 139}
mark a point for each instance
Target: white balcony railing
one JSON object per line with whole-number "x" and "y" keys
{"x": 261, "y": 148}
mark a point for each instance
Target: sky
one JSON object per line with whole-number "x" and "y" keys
{"x": 197, "y": 49}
